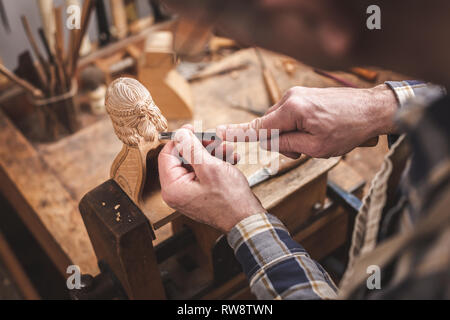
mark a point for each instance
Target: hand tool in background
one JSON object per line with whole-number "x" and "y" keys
{"x": 202, "y": 136}
{"x": 203, "y": 76}
{"x": 335, "y": 78}
{"x": 269, "y": 81}
{"x": 119, "y": 16}
{"x": 42, "y": 64}
{"x": 46, "y": 43}
{"x": 4, "y": 17}
{"x": 248, "y": 106}
{"x": 283, "y": 164}
{"x": 22, "y": 83}
{"x": 366, "y": 74}
{"x": 104, "y": 35}
{"x": 88, "y": 6}
{"x": 59, "y": 49}
{"x": 131, "y": 11}
{"x": 48, "y": 21}
{"x": 55, "y": 84}
{"x": 86, "y": 45}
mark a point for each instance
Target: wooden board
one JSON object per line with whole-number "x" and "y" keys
{"x": 43, "y": 202}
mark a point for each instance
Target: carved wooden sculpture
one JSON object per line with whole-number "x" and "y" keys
{"x": 137, "y": 122}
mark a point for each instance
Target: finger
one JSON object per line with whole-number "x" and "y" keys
{"x": 225, "y": 152}
{"x": 188, "y": 126}
{"x": 221, "y": 151}
{"x": 258, "y": 129}
{"x": 292, "y": 155}
{"x": 278, "y": 104}
{"x": 170, "y": 165}
{"x": 291, "y": 144}
{"x": 192, "y": 151}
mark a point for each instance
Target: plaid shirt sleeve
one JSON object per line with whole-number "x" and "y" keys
{"x": 277, "y": 266}
{"x": 407, "y": 90}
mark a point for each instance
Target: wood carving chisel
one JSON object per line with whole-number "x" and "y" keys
{"x": 272, "y": 88}
{"x": 281, "y": 164}
{"x": 285, "y": 164}
{"x": 202, "y": 136}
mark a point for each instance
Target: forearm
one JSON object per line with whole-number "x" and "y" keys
{"x": 276, "y": 266}
{"x": 381, "y": 109}
{"x": 385, "y": 100}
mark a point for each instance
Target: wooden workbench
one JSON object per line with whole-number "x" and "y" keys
{"x": 44, "y": 182}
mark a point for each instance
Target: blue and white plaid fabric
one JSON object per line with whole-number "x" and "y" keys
{"x": 277, "y": 266}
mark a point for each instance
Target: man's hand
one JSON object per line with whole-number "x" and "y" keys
{"x": 323, "y": 122}
{"x": 205, "y": 188}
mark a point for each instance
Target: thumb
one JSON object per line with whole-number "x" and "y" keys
{"x": 258, "y": 129}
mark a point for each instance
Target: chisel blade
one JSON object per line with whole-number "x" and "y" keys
{"x": 259, "y": 176}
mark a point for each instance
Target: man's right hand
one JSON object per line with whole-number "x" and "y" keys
{"x": 325, "y": 122}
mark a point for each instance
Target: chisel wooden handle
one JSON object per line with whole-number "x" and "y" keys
{"x": 22, "y": 83}
{"x": 286, "y": 164}
{"x": 48, "y": 21}
{"x": 272, "y": 88}
{"x": 119, "y": 15}
{"x": 366, "y": 74}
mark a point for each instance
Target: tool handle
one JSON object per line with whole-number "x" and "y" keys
{"x": 286, "y": 164}
{"x": 22, "y": 83}
{"x": 272, "y": 88}
{"x": 119, "y": 18}
{"x": 366, "y": 74}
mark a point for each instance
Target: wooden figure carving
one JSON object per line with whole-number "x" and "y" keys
{"x": 137, "y": 122}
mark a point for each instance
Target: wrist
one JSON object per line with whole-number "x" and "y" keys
{"x": 383, "y": 108}
{"x": 241, "y": 214}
